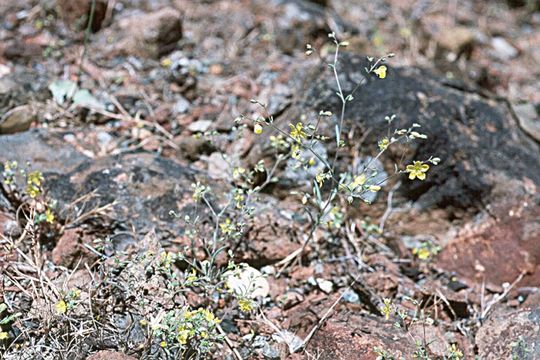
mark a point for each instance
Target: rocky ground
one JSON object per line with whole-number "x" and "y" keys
{"x": 123, "y": 121}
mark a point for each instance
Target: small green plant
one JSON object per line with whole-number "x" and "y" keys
{"x": 186, "y": 332}
{"x": 5, "y": 320}
{"x": 30, "y": 197}
{"x": 519, "y": 349}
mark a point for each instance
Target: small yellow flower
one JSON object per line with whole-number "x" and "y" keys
{"x": 61, "y": 307}
{"x": 358, "y": 181}
{"x": 321, "y": 178}
{"x": 166, "y": 62}
{"x": 297, "y": 132}
{"x": 383, "y": 143}
{"x": 238, "y": 171}
{"x": 386, "y": 309}
{"x": 35, "y": 178}
{"x": 49, "y": 216}
{"x": 374, "y": 188}
{"x": 204, "y": 335}
{"x": 245, "y": 305}
{"x": 258, "y": 129}
{"x": 192, "y": 277}
{"x": 417, "y": 170}
{"x": 3, "y": 335}
{"x": 295, "y": 152}
{"x": 422, "y": 253}
{"x": 311, "y": 162}
{"x": 381, "y": 71}
{"x": 163, "y": 344}
{"x": 227, "y": 227}
{"x": 183, "y": 337}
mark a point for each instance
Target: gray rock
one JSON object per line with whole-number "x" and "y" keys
{"x": 528, "y": 119}
{"x": 503, "y": 49}
{"x": 17, "y": 119}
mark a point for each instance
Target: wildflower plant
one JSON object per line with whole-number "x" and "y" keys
{"x": 218, "y": 221}
{"x": 25, "y": 189}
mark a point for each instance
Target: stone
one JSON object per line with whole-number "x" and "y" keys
{"x": 200, "y": 126}
{"x": 503, "y": 49}
{"x": 76, "y": 13}
{"x": 70, "y": 249}
{"x": 510, "y": 335}
{"x": 497, "y": 248}
{"x": 529, "y": 119}
{"x": 462, "y": 127}
{"x": 142, "y": 190}
{"x": 110, "y": 355}
{"x": 47, "y": 151}
{"x": 457, "y": 39}
{"x": 17, "y": 119}
{"x": 147, "y": 35}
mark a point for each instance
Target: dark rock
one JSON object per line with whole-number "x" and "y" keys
{"x": 476, "y": 138}
{"x": 76, "y": 13}
{"x": 46, "y": 151}
{"x": 142, "y": 189}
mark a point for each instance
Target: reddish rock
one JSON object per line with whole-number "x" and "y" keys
{"x": 110, "y": 355}
{"x": 357, "y": 337}
{"x": 70, "y": 248}
{"x": 77, "y": 12}
{"x": 147, "y": 35}
{"x": 499, "y": 247}
{"x": 510, "y": 335}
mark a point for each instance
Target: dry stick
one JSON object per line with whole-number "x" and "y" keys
{"x": 389, "y": 206}
{"x": 229, "y": 343}
{"x": 323, "y": 319}
{"x": 498, "y": 298}
{"x": 87, "y": 35}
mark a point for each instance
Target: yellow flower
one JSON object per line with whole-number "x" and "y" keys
{"x": 192, "y": 278}
{"x": 32, "y": 190}
{"x": 311, "y": 162}
{"x": 386, "y": 309}
{"x": 204, "y": 335}
{"x": 238, "y": 171}
{"x": 422, "y": 253}
{"x": 374, "y": 188}
{"x": 166, "y": 62}
{"x": 258, "y": 129}
{"x": 61, "y": 307}
{"x": 295, "y": 152}
{"x": 417, "y": 170}
{"x": 227, "y": 227}
{"x": 321, "y": 177}
{"x": 167, "y": 258}
{"x": 163, "y": 344}
{"x": 245, "y": 305}
{"x": 49, "y": 216}
{"x": 383, "y": 144}
{"x": 381, "y": 71}
{"x": 183, "y": 337}
{"x": 3, "y": 335}
{"x": 297, "y": 132}
{"x": 358, "y": 181}
{"x": 35, "y": 178}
